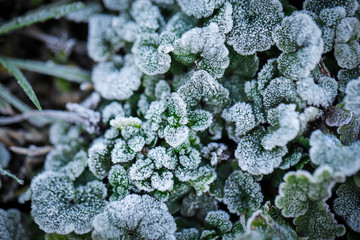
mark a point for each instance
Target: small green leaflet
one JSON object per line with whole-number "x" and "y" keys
{"x": 39, "y": 15}
{"x": 21, "y": 80}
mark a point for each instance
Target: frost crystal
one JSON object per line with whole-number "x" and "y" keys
{"x": 117, "y": 4}
{"x": 134, "y": 217}
{"x": 254, "y": 22}
{"x": 147, "y": 16}
{"x": 299, "y": 38}
{"x": 57, "y": 206}
{"x": 118, "y": 178}
{"x": 327, "y": 150}
{"x": 100, "y": 157}
{"x": 241, "y": 193}
{"x": 224, "y": 18}
{"x": 112, "y": 110}
{"x": 116, "y": 83}
{"x": 253, "y": 158}
{"x": 12, "y": 225}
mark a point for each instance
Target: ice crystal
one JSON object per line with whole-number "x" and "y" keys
{"x": 199, "y": 8}
{"x": 352, "y": 98}
{"x": 12, "y": 225}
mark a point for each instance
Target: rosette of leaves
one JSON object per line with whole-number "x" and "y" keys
{"x": 347, "y": 205}
{"x": 326, "y": 149}
{"x": 299, "y": 38}
{"x": 204, "y": 46}
{"x": 12, "y": 225}
{"x": 254, "y": 158}
{"x": 254, "y": 22}
{"x": 59, "y": 207}
{"x": 117, "y": 80}
{"x": 302, "y": 196}
{"x": 217, "y": 225}
{"x": 242, "y": 194}
{"x": 134, "y": 217}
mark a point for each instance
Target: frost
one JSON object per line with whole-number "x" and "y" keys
{"x": 57, "y": 206}
{"x": 178, "y": 24}
{"x": 162, "y": 89}
{"x": 72, "y": 168}
{"x": 121, "y": 152}
{"x": 150, "y": 57}
{"x": 199, "y": 8}
{"x": 300, "y": 188}
{"x": 125, "y": 28}
{"x": 12, "y": 226}
{"x": 200, "y": 120}
{"x": 194, "y": 205}
{"x": 254, "y": 22}
{"x": 88, "y": 118}
{"x": 4, "y": 156}
{"x": 253, "y": 158}
{"x": 285, "y": 126}
{"x": 84, "y": 14}
{"x": 216, "y": 224}
{"x": 209, "y": 44}
{"x": 242, "y": 115}
{"x": 224, "y": 18}
{"x": 119, "y": 5}
{"x": 347, "y": 205}
{"x": 141, "y": 169}
{"x": 203, "y": 88}
{"x": 117, "y": 83}
{"x": 175, "y": 136}
{"x": 321, "y": 94}
{"x": 103, "y": 41}
{"x": 112, "y": 110}
{"x": 316, "y": 6}
{"x": 187, "y": 234}
{"x": 327, "y": 150}
{"x": 318, "y": 223}
{"x": 299, "y": 38}
{"x": 162, "y": 158}
{"x": 100, "y": 157}
{"x": 279, "y": 90}
{"x": 352, "y": 98}
{"x": 162, "y": 181}
{"x": 146, "y": 15}
{"x": 123, "y": 122}
{"x": 241, "y": 193}
{"x": 215, "y": 152}
{"x": 347, "y": 47}
{"x": 134, "y": 217}
{"x": 118, "y": 178}
{"x": 206, "y": 175}
{"x": 293, "y": 158}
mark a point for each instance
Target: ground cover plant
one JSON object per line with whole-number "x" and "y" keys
{"x": 182, "y": 119}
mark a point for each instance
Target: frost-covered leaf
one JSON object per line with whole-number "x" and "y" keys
{"x": 99, "y": 157}
{"x": 82, "y": 15}
{"x": 299, "y": 38}
{"x": 318, "y": 223}
{"x": 285, "y": 126}
{"x": 242, "y": 114}
{"x": 206, "y": 176}
{"x": 254, "y": 22}
{"x": 12, "y": 225}
{"x": 350, "y": 132}
{"x": 241, "y": 193}
{"x": 352, "y": 98}
{"x": 188, "y": 234}
{"x": 347, "y": 47}
{"x": 146, "y": 15}
{"x": 117, "y": 83}
{"x": 119, "y": 5}
{"x": 141, "y": 169}
{"x": 204, "y": 88}
{"x": 328, "y": 150}
{"x": 199, "y": 8}
{"x": 150, "y": 58}
{"x": 347, "y": 205}
{"x": 316, "y": 6}
{"x": 223, "y": 18}
{"x": 121, "y": 152}
{"x": 118, "y": 178}
{"x": 103, "y": 41}
{"x": 58, "y": 207}
{"x": 291, "y": 159}
{"x": 321, "y": 94}
{"x": 162, "y": 181}
{"x": 300, "y": 188}
{"x": 338, "y": 116}
{"x": 209, "y": 44}
{"x": 215, "y": 153}
{"x": 134, "y": 217}
{"x": 200, "y": 120}
{"x": 253, "y": 158}
{"x": 88, "y": 118}
{"x": 175, "y": 136}
{"x": 194, "y": 205}
{"x": 216, "y": 224}
{"x": 111, "y": 111}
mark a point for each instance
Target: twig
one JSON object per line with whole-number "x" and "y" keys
{"x": 32, "y": 151}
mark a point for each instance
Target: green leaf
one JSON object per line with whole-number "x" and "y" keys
{"x": 39, "y": 15}
{"x": 21, "y": 80}
{"x": 70, "y": 73}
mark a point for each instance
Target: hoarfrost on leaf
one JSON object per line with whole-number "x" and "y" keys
{"x": 328, "y": 150}
{"x": 254, "y": 22}
{"x": 121, "y": 152}
{"x": 199, "y": 8}
{"x": 162, "y": 181}
{"x": 299, "y": 38}
{"x": 321, "y": 94}
{"x": 58, "y": 207}
{"x": 147, "y": 16}
{"x": 118, "y": 5}
{"x": 285, "y": 126}
{"x": 316, "y": 6}
{"x": 141, "y": 169}
{"x": 118, "y": 178}
{"x": 12, "y": 225}
{"x": 241, "y": 193}
{"x": 347, "y": 205}
{"x": 175, "y": 136}
{"x": 215, "y": 152}
{"x": 200, "y": 120}
{"x": 99, "y": 157}
{"x": 111, "y": 111}
{"x": 352, "y": 98}
{"x": 224, "y": 18}
{"x": 253, "y": 158}
{"x": 135, "y": 217}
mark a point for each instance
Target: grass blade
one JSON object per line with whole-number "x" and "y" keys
{"x": 21, "y": 80}
{"x": 72, "y": 74}
{"x": 39, "y": 15}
